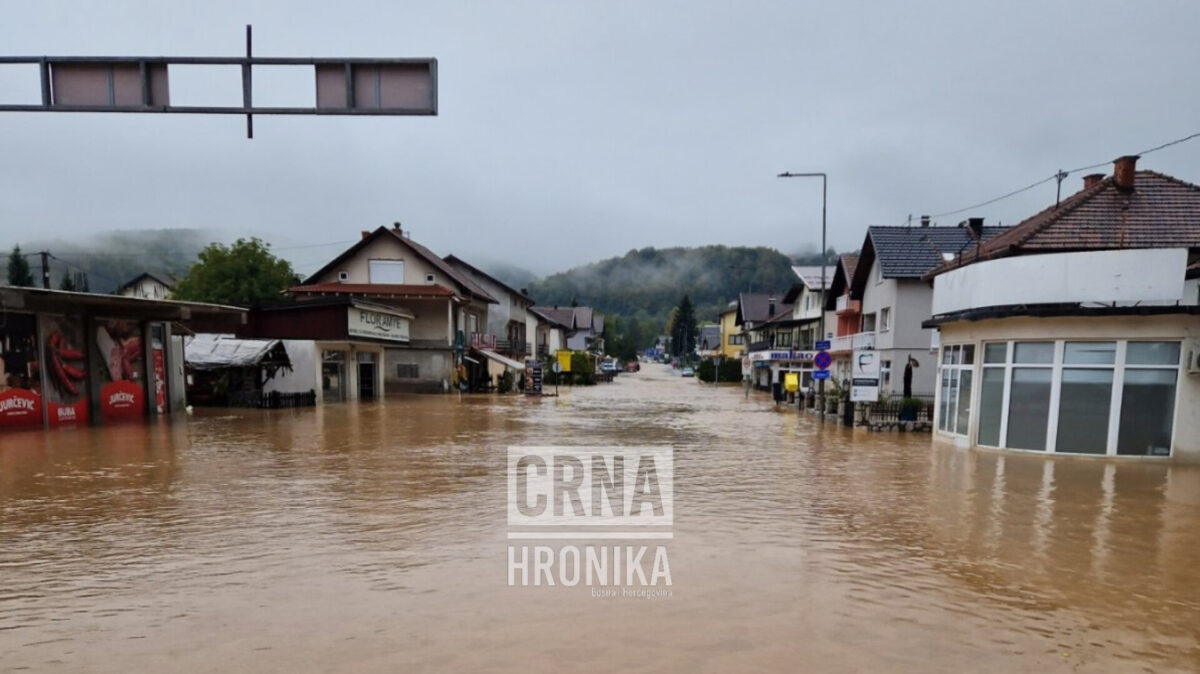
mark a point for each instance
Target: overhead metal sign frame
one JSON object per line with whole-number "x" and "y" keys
{"x": 344, "y": 86}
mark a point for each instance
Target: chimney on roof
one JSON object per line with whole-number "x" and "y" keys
{"x": 396, "y": 228}
{"x": 1091, "y": 179}
{"x": 1123, "y": 172}
{"x": 975, "y": 225}
{"x": 924, "y": 220}
{"x": 771, "y": 306}
{"x": 365, "y": 234}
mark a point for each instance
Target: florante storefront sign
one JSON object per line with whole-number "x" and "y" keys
{"x": 376, "y": 325}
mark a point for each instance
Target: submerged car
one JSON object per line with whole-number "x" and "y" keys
{"x": 686, "y": 372}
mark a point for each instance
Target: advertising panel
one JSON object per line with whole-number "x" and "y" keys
{"x": 864, "y": 377}
{"x": 20, "y": 381}
{"x": 66, "y": 370}
{"x": 117, "y": 346}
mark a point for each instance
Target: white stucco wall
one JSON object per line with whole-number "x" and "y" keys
{"x": 306, "y": 369}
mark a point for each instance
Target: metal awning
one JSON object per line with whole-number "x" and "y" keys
{"x": 507, "y": 362}
{"x": 116, "y": 306}
{"x": 209, "y": 351}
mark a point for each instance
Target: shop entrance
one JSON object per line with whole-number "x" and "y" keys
{"x": 366, "y": 376}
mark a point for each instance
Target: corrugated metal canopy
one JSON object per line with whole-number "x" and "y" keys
{"x": 208, "y": 351}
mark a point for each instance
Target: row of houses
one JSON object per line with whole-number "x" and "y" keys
{"x": 388, "y": 315}
{"x": 1074, "y": 331}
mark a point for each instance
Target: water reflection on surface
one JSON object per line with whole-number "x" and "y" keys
{"x": 372, "y": 537}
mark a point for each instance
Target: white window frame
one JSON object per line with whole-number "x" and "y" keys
{"x": 885, "y": 319}
{"x": 955, "y": 368}
{"x": 1118, "y": 367}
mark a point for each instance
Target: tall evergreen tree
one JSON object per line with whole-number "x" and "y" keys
{"x": 18, "y": 269}
{"x": 67, "y": 282}
{"x": 683, "y": 333}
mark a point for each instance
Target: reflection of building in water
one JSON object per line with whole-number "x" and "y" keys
{"x": 1078, "y": 330}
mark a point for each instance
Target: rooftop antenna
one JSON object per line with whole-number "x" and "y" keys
{"x": 1060, "y": 177}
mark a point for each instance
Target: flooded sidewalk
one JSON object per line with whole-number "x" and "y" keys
{"x": 372, "y": 537}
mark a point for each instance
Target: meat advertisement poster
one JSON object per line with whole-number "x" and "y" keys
{"x": 66, "y": 370}
{"x": 122, "y": 369}
{"x": 20, "y": 381}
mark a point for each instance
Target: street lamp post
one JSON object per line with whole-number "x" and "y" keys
{"x": 824, "y": 180}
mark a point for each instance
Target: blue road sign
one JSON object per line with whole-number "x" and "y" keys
{"x": 822, "y": 360}
{"x": 820, "y": 374}
{"x": 822, "y": 345}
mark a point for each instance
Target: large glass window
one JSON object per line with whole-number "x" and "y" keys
{"x": 991, "y": 405}
{"x": 1029, "y": 408}
{"x": 1148, "y": 398}
{"x": 1085, "y": 400}
{"x": 1062, "y": 396}
{"x": 954, "y": 414}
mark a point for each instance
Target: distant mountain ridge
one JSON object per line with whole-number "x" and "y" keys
{"x": 646, "y": 284}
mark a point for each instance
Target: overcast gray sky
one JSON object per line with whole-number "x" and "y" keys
{"x": 572, "y": 131}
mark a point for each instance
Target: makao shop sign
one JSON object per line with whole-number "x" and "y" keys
{"x": 377, "y": 325}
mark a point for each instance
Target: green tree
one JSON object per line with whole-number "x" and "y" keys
{"x": 683, "y": 331}
{"x": 67, "y": 282}
{"x": 18, "y": 269}
{"x": 242, "y": 273}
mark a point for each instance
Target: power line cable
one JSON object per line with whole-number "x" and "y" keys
{"x": 1061, "y": 174}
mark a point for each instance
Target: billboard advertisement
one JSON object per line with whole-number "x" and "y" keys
{"x": 121, "y": 367}
{"x": 20, "y": 380}
{"x": 66, "y": 370}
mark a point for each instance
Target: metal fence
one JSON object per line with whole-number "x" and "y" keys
{"x": 896, "y": 411}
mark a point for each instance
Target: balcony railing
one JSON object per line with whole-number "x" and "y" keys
{"x": 482, "y": 340}
{"x": 855, "y": 342}
{"x": 543, "y": 350}
{"x": 845, "y": 305}
{"x": 760, "y": 345}
{"x": 513, "y": 347}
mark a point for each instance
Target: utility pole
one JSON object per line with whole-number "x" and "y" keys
{"x": 45, "y": 269}
{"x": 824, "y": 261}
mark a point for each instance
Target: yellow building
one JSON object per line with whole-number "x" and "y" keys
{"x": 733, "y": 342}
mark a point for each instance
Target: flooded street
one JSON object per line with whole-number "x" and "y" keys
{"x": 372, "y": 537}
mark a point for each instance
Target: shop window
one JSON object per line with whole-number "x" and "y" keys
{"x": 1063, "y": 396}
{"x": 407, "y": 371}
{"x": 991, "y": 404}
{"x": 1029, "y": 408}
{"x": 1085, "y": 399}
{"x": 1148, "y": 399}
{"x": 954, "y": 412}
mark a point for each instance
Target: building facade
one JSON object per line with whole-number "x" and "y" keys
{"x": 1078, "y": 330}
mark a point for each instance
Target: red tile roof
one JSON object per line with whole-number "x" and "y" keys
{"x": 463, "y": 281}
{"x": 1160, "y": 212}
{"x": 372, "y": 290}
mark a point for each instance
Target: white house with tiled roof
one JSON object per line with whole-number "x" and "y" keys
{"x": 447, "y": 305}
{"x": 893, "y": 300}
{"x": 1078, "y": 330}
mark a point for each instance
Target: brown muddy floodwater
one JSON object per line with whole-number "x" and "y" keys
{"x": 372, "y": 537}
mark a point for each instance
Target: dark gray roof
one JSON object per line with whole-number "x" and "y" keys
{"x": 755, "y": 307}
{"x": 911, "y": 252}
{"x": 712, "y": 333}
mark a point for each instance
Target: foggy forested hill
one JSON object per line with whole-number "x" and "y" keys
{"x": 646, "y": 284}
{"x": 113, "y": 258}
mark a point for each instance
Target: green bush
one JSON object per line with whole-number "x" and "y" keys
{"x": 583, "y": 370}
{"x": 730, "y": 370}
